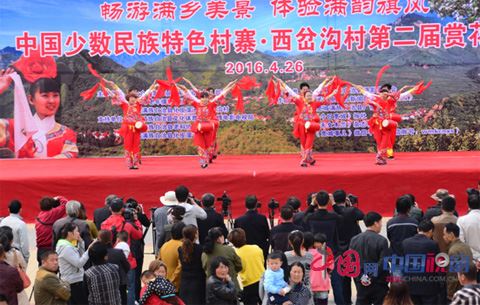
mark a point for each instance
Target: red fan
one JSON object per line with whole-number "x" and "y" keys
{"x": 245, "y": 83}
{"x": 169, "y": 84}
{"x": 90, "y": 93}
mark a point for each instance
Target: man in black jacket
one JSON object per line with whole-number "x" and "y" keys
{"x": 351, "y": 215}
{"x": 255, "y": 225}
{"x": 372, "y": 248}
{"x": 279, "y": 233}
{"x": 213, "y": 219}
{"x": 401, "y": 226}
{"x": 101, "y": 214}
{"x": 423, "y": 291}
{"x": 328, "y": 223}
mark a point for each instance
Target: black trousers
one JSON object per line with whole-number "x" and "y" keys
{"x": 250, "y": 294}
{"x": 347, "y": 290}
{"x": 123, "y": 294}
{"x": 431, "y": 299}
{"x": 373, "y": 294}
{"x": 78, "y": 294}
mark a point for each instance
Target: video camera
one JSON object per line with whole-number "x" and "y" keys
{"x": 352, "y": 199}
{"x": 132, "y": 208}
{"x": 472, "y": 191}
{"x": 194, "y": 200}
{"x": 273, "y": 204}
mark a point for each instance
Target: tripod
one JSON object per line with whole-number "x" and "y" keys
{"x": 230, "y": 223}
{"x": 154, "y": 229}
{"x": 271, "y": 217}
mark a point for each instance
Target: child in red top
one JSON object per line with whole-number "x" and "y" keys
{"x": 157, "y": 291}
{"x": 320, "y": 269}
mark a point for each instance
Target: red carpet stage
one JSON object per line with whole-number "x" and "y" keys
{"x": 267, "y": 176}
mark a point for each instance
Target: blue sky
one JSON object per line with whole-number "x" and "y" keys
{"x": 17, "y": 16}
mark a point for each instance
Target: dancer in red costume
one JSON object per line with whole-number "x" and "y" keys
{"x": 39, "y": 135}
{"x": 384, "y": 121}
{"x": 204, "y": 125}
{"x": 133, "y": 123}
{"x": 306, "y": 120}
{"x": 213, "y": 149}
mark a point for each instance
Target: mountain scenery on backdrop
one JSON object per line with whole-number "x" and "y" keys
{"x": 455, "y": 74}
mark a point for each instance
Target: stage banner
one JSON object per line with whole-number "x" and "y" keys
{"x": 64, "y": 62}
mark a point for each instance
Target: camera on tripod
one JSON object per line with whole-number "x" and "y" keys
{"x": 226, "y": 203}
{"x": 272, "y": 206}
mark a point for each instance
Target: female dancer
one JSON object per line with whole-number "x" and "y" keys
{"x": 213, "y": 149}
{"x": 306, "y": 119}
{"x": 203, "y": 127}
{"x": 133, "y": 123}
{"x": 384, "y": 121}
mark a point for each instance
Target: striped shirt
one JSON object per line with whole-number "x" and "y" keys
{"x": 103, "y": 282}
{"x": 468, "y": 295}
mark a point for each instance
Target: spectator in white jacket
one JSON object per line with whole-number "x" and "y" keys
{"x": 470, "y": 226}
{"x": 19, "y": 228}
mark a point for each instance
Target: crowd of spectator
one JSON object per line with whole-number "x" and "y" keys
{"x": 307, "y": 256}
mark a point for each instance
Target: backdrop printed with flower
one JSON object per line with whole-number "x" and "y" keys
{"x": 214, "y": 42}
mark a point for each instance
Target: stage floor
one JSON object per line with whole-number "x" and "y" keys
{"x": 90, "y": 180}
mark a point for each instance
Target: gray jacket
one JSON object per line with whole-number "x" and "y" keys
{"x": 71, "y": 261}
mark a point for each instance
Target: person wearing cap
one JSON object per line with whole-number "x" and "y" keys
{"x": 436, "y": 210}
{"x": 160, "y": 218}
{"x": 175, "y": 215}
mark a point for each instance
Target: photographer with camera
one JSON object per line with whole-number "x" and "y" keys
{"x": 188, "y": 201}
{"x": 346, "y": 206}
{"x": 137, "y": 246}
{"x": 124, "y": 219}
{"x": 214, "y": 219}
{"x": 255, "y": 225}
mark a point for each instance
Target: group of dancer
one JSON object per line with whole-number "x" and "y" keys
{"x": 382, "y": 124}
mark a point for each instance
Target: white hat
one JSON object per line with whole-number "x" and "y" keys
{"x": 169, "y": 199}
